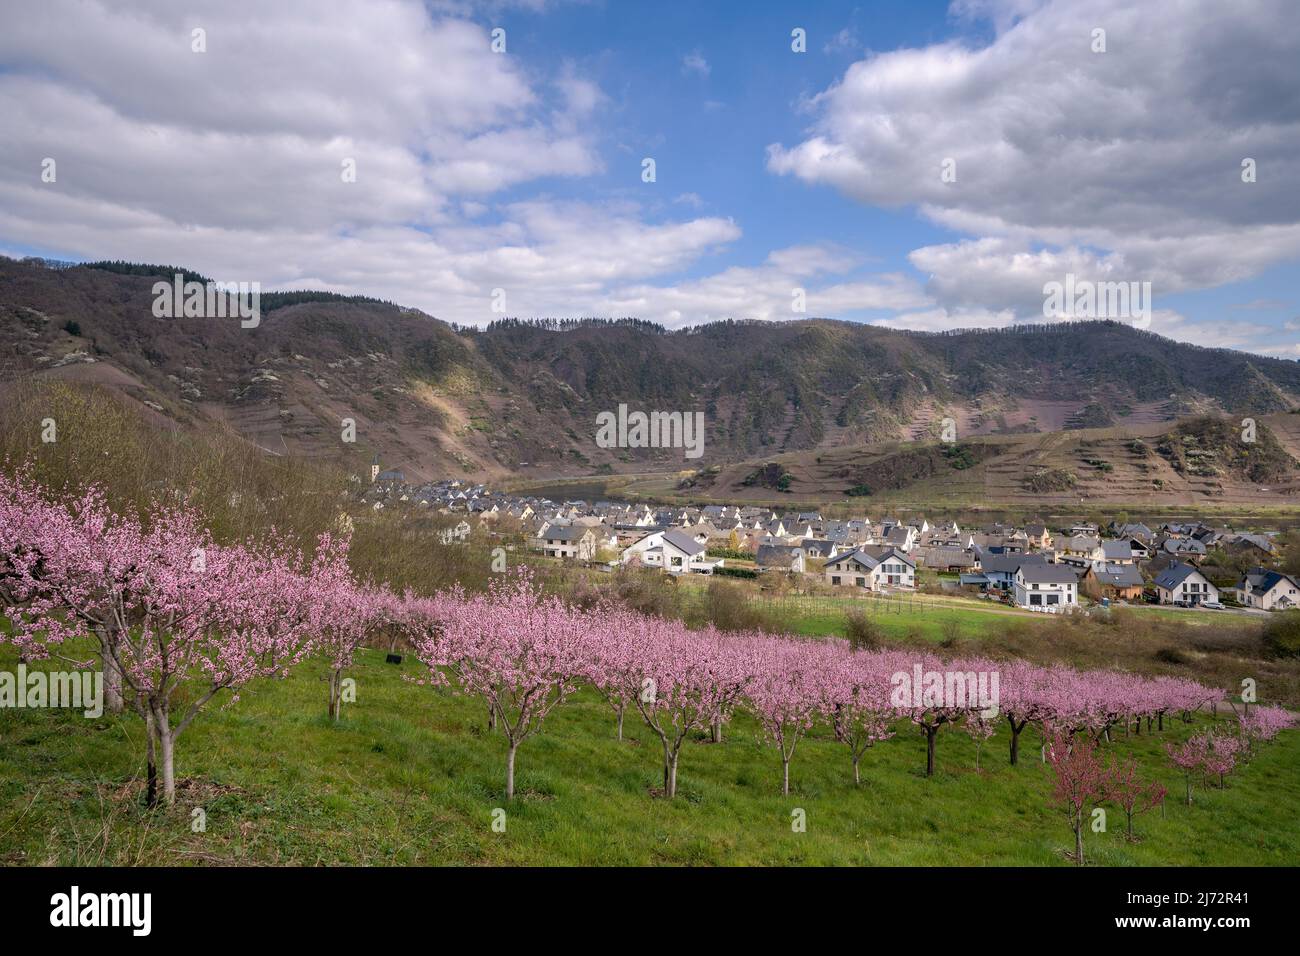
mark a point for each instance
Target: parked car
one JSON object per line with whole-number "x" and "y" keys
{"x": 1212, "y": 605}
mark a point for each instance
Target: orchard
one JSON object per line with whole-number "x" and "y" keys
{"x": 179, "y": 622}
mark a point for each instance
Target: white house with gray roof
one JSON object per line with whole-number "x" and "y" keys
{"x": 571, "y": 542}
{"x": 1046, "y": 587}
{"x": 673, "y": 550}
{"x": 1183, "y": 584}
{"x": 872, "y": 568}
{"x": 1268, "y": 590}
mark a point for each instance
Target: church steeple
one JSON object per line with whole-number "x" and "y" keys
{"x": 374, "y": 469}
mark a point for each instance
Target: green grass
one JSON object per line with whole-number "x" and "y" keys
{"x": 411, "y": 776}
{"x": 925, "y": 624}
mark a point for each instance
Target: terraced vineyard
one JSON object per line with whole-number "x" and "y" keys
{"x": 1154, "y": 464}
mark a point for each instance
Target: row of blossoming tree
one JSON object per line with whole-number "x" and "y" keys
{"x": 178, "y": 618}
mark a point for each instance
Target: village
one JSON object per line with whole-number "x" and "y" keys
{"x": 1190, "y": 565}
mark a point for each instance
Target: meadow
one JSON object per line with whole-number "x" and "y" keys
{"x": 411, "y": 776}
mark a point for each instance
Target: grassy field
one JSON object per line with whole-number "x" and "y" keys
{"x": 412, "y": 776}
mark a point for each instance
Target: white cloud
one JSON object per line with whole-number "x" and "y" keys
{"x": 1126, "y": 162}
{"x": 768, "y": 292}
{"x": 694, "y": 62}
{"x": 842, "y": 42}
{"x": 229, "y": 161}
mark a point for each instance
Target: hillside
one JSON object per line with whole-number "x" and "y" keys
{"x": 521, "y": 399}
{"x": 1195, "y": 461}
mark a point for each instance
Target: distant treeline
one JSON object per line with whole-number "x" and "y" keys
{"x": 270, "y": 300}
{"x": 279, "y": 300}
{"x": 121, "y": 267}
{"x": 566, "y": 325}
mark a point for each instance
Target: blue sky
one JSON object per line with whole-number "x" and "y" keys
{"x": 492, "y": 183}
{"x": 705, "y": 88}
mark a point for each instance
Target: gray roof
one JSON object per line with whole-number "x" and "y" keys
{"x": 1009, "y": 563}
{"x": 1258, "y": 540}
{"x": 1262, "y": 580}
{"x": 871, "y": 557}
{"x": 949, "y": 558}
{"x": 816, "y": 548}
{"x": 1174, "y": 575}
{"x": 1048, "y": 574}
{"x": 1119, "y": 575}
{"x": 573, "y": 532}
{"x": 683, "y": 541}
{"x": 777, "y": 555}
{"x": 1117, "y": 549}
{"x": 1183, "y": 546}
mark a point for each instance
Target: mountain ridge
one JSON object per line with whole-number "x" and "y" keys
{"x": 521, "y": 397}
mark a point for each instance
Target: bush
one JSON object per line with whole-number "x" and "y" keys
{"x": 733, "y": 553}
{"x": 1171, "y": 655}
{"x": 728, "y": 608}
{"x": 960, "y": 457}
{"x": 1282, "y": 635}
{"x": 863, "y": 633}
{"x": 748, "y": 574}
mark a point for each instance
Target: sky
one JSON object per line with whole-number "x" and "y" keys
{"x": 916, "y": 164}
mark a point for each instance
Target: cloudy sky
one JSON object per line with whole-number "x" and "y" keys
{"x": 774, "y": 170}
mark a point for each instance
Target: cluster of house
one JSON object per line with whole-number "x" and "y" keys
{"x": 1032, "y": 565}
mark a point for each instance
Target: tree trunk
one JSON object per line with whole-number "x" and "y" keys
{"x": 1160, "y": 720}
{"x": 1015, "y": 740}
{"x": 930, "y": 733}
{"x": 670, "y": 771}
{"x": 151, "y": 758}
{"x": 510, "y": 771}
{"x": 717, "y": 731}
{"x": 112, "y": 680}
{"x": 167, "y": 744}
{"x": 166, "y": 751}
{"x": 785, "y": 776}
{"x": 334, "y": 704}
{"x": 857, "y": 773}
{"x": 1078, "y": 841}
{"x": 492, "y": 718}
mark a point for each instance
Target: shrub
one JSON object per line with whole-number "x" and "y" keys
{"x": 863, "y": 633}
{"x": 1282, "y": 635}
{"x": 728, "y": 608}
{"x": 748, "y": 574}
{"x": 1171, "y": 655}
